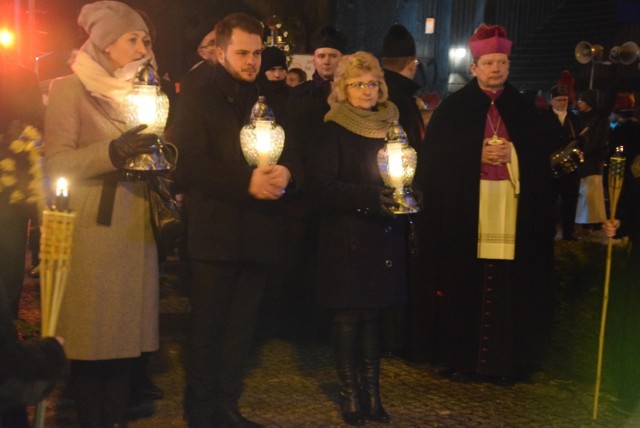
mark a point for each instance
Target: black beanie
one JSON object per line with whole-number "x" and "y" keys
{"x": 329, "y": 37}
{"x": 559, "y": 91}
{"x": 590, "y": 97}
{"x": 273, "y": 56}
{"x": 201, "y": 27}
{"x": 398, "y": 42}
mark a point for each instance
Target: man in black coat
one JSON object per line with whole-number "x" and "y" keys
{"x": 563, "y": 126}
{"x": 308, "y": 101}
{"x": 272, "y": 84}
{"x": 404, "y": 328}
{"x": 485, "y": 240}
{"x": 400, "y": 64}
{"x": 591, "y": 210}
{"x": 235, "y": 223}
{"x": 307, "y": 107}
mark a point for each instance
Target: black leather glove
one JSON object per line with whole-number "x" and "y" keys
{"x": 129, "y": 144}
{"x": 386, "y": 203}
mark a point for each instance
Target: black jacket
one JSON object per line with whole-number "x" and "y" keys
{"x": 225, "y": 222}
{"x": 560, "y": 134}
{"x": 401, "y": 93}
{"x": 596, "y": 142}
{"x": 307, "y": 107}
{"x": 361, "y": 254}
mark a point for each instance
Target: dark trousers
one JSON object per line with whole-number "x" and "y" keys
{"x": 14, "y": 222}
{"x": 225, "y": 302}
{"x": 566, "y": 188}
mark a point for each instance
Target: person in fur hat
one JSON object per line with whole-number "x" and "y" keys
{"x": 486, "y": 243}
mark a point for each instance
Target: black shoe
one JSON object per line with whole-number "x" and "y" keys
{"x": 146, "y": 392}
{"x": 355, "y": 419}
{"x": 232, "y": 418}
{"x": 379, "y": 415}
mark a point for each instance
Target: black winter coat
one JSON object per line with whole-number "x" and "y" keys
{"x": 361, "y": 254}
{"x": 449, "y": 175}
{"x": 596, "y": 142}
{"x": 401, "y": 93}
{"x": 225, "y": 222}
{"x": 560, "y": 134}
{"x": 307, "y": 106}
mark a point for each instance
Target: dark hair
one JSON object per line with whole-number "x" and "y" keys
{"x": 397, "y": 63}
{"x": 241, "y": 21}
{"x": 300, "y": 72}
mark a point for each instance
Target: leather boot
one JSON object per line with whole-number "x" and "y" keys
{"x": 345, "y": 345}
{"x": 371, "y": 370}
{"x": 85, "y": 385}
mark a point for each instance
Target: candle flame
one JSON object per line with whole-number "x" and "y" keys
{"x": 396, "y": 172}
{"x": 62, "y": 187}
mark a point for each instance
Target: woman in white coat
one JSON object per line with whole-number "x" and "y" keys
{"x": 109, "y": 315}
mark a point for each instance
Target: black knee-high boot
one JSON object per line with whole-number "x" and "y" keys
{"x": 345, "y": 339}
{"x": 86, "y": 390}
{"x": 371, "y": 369}
{"x": 115, "y": 391}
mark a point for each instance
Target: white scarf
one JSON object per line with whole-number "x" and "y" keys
{"x": 99, "y": 82}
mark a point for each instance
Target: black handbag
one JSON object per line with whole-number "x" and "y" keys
{"x": 166, "y": 216}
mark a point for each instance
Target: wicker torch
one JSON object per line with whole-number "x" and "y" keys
{"x": 55, "y": 260}
{"x": 616, "y": 178}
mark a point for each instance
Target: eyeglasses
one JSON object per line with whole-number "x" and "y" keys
{"x": 373, "y": 84}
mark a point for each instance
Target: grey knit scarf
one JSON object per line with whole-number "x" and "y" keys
{"x": 367, "y": 123}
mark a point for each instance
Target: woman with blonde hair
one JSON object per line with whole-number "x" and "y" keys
{"x": 361, "y": 254}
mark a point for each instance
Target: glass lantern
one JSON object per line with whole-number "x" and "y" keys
{"x": 262, "y": 139}
{"x": 397, "y": 162}
{"x": 147, "y": 104}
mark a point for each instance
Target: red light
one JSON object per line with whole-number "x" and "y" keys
{"x": 7, "y": 38}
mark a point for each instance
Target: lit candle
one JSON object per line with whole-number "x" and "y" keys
{"x": 396, "y": 173}
{"x": 62, "y": 195}
{"x": 263, "y": 141}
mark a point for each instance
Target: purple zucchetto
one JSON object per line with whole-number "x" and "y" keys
{"x": 488, "y": 39}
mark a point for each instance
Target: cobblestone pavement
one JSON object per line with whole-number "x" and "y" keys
{"x": 291, "y": 380}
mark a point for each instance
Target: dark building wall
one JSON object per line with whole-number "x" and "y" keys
{"x": 365, "y": 22}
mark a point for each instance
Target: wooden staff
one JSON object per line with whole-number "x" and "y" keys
{"x": 616, "y": 177}
{"x": 55, "y": 260}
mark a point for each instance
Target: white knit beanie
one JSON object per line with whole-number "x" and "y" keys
{"x": 105, "y": 21}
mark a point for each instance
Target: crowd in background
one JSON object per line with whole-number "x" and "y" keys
{"x": 465, "y": 284}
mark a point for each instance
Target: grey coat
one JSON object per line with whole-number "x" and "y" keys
{"x": 110, "y": 309}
